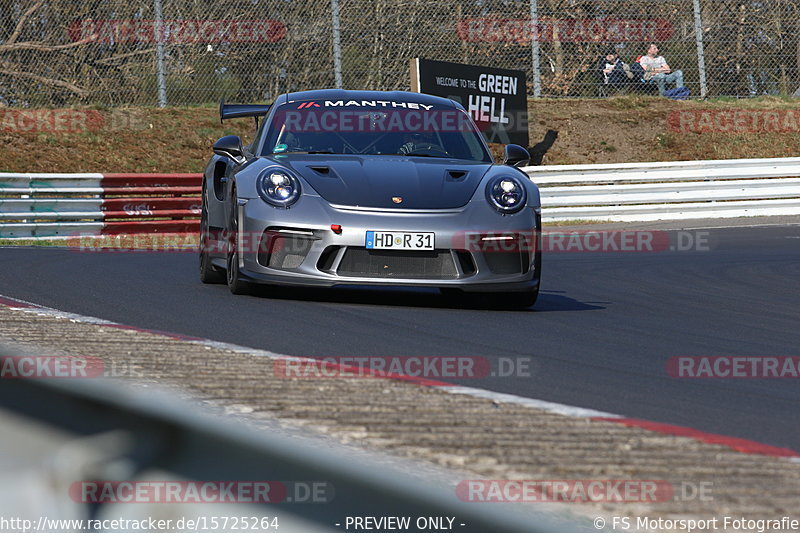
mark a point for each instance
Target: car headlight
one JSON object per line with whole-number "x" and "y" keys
{"x": 507, "y": 194}
{"x": 278, "y": 187}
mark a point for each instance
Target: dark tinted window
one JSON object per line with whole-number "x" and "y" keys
{"x": 377, "y": 128}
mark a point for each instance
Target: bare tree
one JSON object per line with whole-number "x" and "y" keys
{"x": 19, "y": 50}
{"x": 61, "y": 52}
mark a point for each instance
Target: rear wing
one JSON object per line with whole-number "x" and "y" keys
{"x": 227, "y": 111}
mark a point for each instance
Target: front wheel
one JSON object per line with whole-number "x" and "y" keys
{"x": 236, "y": 284}
{"x": 491, "y": 300}
{"x": 208, "y": 272}
{"x": 516, "y": 300}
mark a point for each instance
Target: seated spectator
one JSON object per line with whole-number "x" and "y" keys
{"x": 638, "y": 82}
{"x": 656, "y": 69}
{"x": 614, "y": 71}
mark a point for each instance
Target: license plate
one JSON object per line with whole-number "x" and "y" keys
{"x": 399, "y": 240}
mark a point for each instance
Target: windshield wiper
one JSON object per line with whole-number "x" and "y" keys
{"x": 303, "y": 152}
{"x": 415, "y": 154}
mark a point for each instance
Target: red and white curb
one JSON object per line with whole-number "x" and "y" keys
{"x": 740, "y": 445}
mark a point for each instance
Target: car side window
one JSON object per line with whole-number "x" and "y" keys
{"x": 253, "y": 146}
{"x": 476, "y": 149}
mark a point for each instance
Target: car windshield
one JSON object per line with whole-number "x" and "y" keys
{"x": 374, "y": 128}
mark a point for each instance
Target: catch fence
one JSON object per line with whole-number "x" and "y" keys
{"x": 172, "y": 52}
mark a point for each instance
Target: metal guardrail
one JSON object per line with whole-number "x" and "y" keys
{"x": 669, "y": 191}
{"x": 40, "y": 205}
{"x": 168, "y": 434}
{"x": 44, "y": 205}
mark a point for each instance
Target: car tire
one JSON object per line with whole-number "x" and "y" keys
{"x": 516, "y": 300}
{"x": 490, "y": 300}
{"x": 452, "y": 295}
{"x": 526, "y": 299}
{"x": 208, "y": 272}
{"x": 236, "y": 284}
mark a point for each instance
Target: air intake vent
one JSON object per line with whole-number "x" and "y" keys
{"x": 508, "y": 262}
{"x": 284, "y": 249}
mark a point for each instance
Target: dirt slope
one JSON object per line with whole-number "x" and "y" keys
{"x": 619, "y": 129}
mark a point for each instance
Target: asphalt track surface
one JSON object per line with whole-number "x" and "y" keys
{"x": 599, "y": 336}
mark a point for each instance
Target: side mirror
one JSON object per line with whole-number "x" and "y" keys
{"x": 515, "y": 155}
{"x": 230, "y": 146}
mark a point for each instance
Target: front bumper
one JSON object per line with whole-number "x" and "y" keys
{"x": 476, "y": 249}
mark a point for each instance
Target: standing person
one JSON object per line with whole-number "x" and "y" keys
{"x": 656, "y": 69}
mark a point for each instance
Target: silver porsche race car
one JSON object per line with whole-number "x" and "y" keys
{"x": 369, "y": 188}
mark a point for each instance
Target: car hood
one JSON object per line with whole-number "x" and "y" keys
{"x": 380, "y": 181}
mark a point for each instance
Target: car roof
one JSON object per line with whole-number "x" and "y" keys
{"x": 340, "y": 94}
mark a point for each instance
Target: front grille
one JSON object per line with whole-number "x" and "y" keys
{"x": 400, "y": 264}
